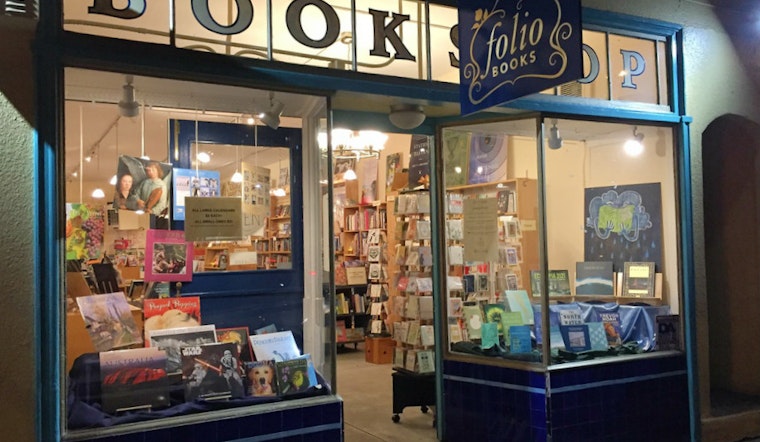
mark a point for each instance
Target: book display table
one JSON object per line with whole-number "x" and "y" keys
{"x": 412, "y": 389}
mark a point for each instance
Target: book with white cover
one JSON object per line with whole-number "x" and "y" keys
{"x": 278, "y": 346}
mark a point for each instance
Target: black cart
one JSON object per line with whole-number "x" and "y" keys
{"x": 412, "y": 389}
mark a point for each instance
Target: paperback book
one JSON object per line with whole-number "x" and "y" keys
{"x": 576, "y": 337}
{"x": 668, "y": 336}
{"x": 612, "y": 327}
{"x": 519, "y": 339}
{"x": 473, "y": 319}
{"x": 559, "y": 283}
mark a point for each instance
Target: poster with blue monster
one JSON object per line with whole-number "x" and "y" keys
{"x": 624, "y": 223}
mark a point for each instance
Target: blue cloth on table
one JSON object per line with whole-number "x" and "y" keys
{"x": 84, "y": 399}
{"x": 637, "y": 322}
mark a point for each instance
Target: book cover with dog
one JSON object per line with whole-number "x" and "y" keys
{"x": 163, "y": 313}
{"x": 292, "y": 376}
{"x": 212, "y": 371}
{"x": 260, "y": 378}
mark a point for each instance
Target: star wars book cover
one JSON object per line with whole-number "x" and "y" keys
{"x": 212, "y": 371}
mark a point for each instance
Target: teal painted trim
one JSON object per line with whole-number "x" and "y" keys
{"x": 687, "y": 281}
{"x": 292, "y": 433}
{"x": 48, "y": 253}
{"x": 502, "y": 385}
{"x": 438, "y": 248}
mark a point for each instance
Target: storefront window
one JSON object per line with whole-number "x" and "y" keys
{"x": 600, "y": 251}
{"x": 185, "y": 247}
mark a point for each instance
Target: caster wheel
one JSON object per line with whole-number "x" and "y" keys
{"x": 424, "y": 408}
{"x": 395, "y": 418}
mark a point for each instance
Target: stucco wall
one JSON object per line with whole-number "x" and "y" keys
{"x": 17, "y": 359}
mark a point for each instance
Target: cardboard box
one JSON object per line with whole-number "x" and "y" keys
{"x": 379, "y": 350}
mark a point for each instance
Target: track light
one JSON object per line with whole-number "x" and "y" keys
{"x": 634, "y": 146}
{"x": 272, "y": 117}
{"x": 555, "y": 142}
{"x": 128, "y": 107}
{"x": 406, "y": 116}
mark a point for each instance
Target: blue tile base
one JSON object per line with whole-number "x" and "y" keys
{"x": 638, "y": 400}
{"x": 306, "y": 421}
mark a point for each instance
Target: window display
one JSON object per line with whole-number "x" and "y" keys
{"x": 584, "y": 228}
{"x": 202, "y": 209}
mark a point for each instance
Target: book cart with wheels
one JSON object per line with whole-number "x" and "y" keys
{"x": 413, "y": 330}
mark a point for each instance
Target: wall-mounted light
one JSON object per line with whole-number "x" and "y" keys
{"x": 406, "y": 116}
{"x": 128, "y": 106}
{"x": 634, "y": 146}
{"x": 555, "y": 141}
{"x": 272, "y": 117}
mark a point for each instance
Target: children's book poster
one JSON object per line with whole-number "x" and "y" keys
{"x": 169, "y": 255}
{"x": 624, "y": 223}
{"x": 193, "y": 182}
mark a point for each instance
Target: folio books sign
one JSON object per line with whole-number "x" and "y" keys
{"x": 509, "y": 49}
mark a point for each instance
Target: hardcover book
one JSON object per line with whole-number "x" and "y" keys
{"x": 495, "y": 313}
{"x": 508, "y": 319}
{"x": 597, "y": 336}
{"x": 239, "y": 337}
{"x": 173, "y": 339}
{"x": 594, "y": 278}
{"x": 489, "y": 335}
{"x": 638, "y": 279}
{"x": 166, "y": 313}
{"x": 292, "y": 376}
{"x": 519, "y": 339}
{"x": 260, "y": 379}
{"x": 109, "y": 321}
{"x": 212, "y": 371}
{"x": 668, "y": 336}
{"x": 132, "y": 379}
{"x": 612, "y": 327}
{"x": 473, "y": 319}
{"x": 279, "y": 346}
{"x": 559, "y": 283}
{"x": 518, "y": 301}
{"x": 576, "y": 337}
{"x": 167, "y": 256}
{"x": 570, "y": 316}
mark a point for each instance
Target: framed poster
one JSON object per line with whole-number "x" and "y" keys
{"x": 624, "y": 223}
{"x": 168, "y": 255}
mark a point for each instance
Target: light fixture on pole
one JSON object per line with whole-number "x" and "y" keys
{"x": 555, "y": 141}
{"x": 406, "y": 116}
{"x": 634, "y": 146}
{"x": 237, "y": 177}
{"x": 128, "y": 107}
{"x": 272, "y": 117}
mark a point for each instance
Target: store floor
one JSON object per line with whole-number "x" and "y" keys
{"x": 367, "y": 392}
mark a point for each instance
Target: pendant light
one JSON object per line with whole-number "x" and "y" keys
{"x": 115, "y": 178}
{"x": 237, "y": 177}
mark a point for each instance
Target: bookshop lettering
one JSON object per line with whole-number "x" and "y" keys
{"x": 529, "y": 47}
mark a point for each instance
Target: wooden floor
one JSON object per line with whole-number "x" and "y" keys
{"x": 367, "y": 392}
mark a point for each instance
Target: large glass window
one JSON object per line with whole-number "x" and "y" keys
{"x": 565, "y": 249}
{"x": 186, "y": 247}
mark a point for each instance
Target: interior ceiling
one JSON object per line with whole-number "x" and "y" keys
{"x": 93, "y": 96}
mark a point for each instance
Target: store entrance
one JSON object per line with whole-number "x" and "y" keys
{"x": 383, "y": 286}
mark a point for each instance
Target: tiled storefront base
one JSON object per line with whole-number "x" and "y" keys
{"x": 636, "y": 400}
{"x": 305, "y": 420}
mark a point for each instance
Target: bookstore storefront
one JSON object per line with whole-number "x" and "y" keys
{"x": 199, "y": 183}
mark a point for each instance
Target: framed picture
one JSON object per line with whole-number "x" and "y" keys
{"x": 169, "y": 256}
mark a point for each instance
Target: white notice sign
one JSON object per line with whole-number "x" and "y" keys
{"x": 481, "y": 236}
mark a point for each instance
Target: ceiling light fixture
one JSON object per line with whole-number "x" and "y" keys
{"x": 349, "y": 175}
{"x": 272, "y": 117}
{"x": 128, "y": 107}
{"x": 555, "y": 142}
{"x": 237, "y": 177}
{"x": 98, "y": 193}
{"x": 406, "y": 116}
{"x": 634, "y": 146}
{"x": 349, "y": 144}
{"x": 203, "y": 157}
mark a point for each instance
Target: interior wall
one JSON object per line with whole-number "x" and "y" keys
{"x": 18, "y": 382}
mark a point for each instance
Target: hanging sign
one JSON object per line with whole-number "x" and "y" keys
{"x": 509, "y": 49}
